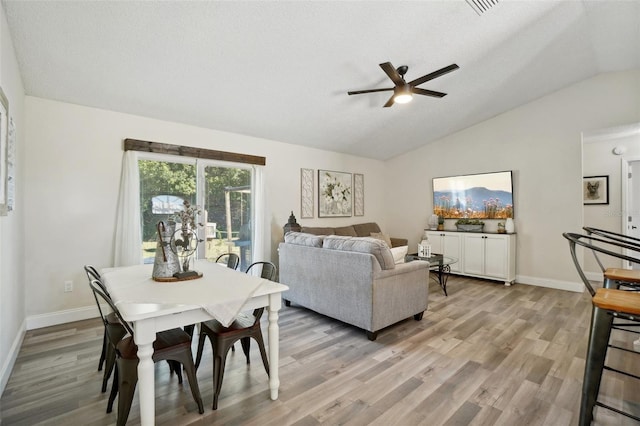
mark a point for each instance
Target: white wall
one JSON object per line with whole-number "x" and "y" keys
{"x": 73, "y": 163}
{"x": 12, "y": 292}
{"x": 541, "y": 143}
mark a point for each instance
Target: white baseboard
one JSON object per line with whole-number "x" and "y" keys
{"x": 61, "y": 317}
{"x": 7, "y": 368}
{"x": 577, "y": 286}
{"x": 594, "y": 276}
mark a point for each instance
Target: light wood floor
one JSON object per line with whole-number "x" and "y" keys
{"x": 487, "y": 354}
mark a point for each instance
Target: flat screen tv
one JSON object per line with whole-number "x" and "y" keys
{"x": 480, "y": 196}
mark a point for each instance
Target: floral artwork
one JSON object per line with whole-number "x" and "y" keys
{"x": 334, "y": 194}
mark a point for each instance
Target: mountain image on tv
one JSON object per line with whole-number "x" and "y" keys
{"x": 466, "y": 196}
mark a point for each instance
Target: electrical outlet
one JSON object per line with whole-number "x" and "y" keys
{"x": 68, "y": 286}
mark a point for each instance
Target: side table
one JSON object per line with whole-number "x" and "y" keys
{"x": 438, "y": 263}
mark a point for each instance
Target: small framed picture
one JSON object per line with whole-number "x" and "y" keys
{"x": 595, "y": 190}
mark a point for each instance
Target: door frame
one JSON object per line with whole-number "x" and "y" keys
{"x": 625, "y": 205}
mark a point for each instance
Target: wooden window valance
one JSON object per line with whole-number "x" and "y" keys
{"x": 187, "y": 151}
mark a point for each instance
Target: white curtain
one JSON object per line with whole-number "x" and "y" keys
{"x": 128, "y": 228}
{"x": 259, "y": 233}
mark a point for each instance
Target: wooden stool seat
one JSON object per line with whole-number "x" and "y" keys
{"x": 617, "y": 301}
{"x": 625, "y": 275}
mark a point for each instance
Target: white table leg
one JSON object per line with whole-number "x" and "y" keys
{"x": 144, "y": 337}
{"x": 274, "y": 341}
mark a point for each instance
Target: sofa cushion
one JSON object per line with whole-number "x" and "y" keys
{"x": 377, "y": 248}
{"x": 399, "y": 253}
{"x": 302, "y": 239}
{"x": 365, "y": 229}
{"x": 346, "y": 231}
{"x": 317, "y": 230}
{"x": 383, "y": 237}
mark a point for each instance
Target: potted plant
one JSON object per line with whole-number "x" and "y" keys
{"x": 440, "y": 223}
{"x": 469, "y": 225}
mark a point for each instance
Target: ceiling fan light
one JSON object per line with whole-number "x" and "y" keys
{"x": 403, "y": 98}
{"x": 403, "y": 94}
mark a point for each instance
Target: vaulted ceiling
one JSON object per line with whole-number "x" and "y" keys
{"x": 281, "y": 70}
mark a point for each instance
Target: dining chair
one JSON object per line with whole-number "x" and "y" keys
{"x": 232, "y": 261}
{"x": 172, "y": 345}
{"x": 244, "y": 328}
{"x": 607, "y": 304}
{"x": 113, "y": 330}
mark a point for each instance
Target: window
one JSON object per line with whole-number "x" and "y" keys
{"x": 222, "y": 191}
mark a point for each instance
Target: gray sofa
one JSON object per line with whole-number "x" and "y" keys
{"x": 352, "y": 279}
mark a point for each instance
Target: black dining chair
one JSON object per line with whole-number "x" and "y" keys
{"x": 244, "y": 328}
{"x": 112, "y": 327}
{"x": 232, "y": 260}
{"x": 172, "y": 345}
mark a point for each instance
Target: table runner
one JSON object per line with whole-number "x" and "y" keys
{"x": 221, "y": 291}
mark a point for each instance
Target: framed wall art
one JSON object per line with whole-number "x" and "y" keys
{"x": 358, "y": 194}
{"x": 595, "y": 190}
{"x": 306, "y": 193}
{"x": 334, "y": 194}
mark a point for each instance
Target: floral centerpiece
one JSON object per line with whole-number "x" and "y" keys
{"x": 185, "y": 239}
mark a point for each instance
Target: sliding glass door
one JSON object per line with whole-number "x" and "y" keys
{"x": 223, "y": 193}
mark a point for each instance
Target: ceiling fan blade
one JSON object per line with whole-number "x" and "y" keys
{"x": 425, "y": 92}
{"x": 433, "y": 75}
{"x": 358, "y": 92}
{"x": 392, "y": 73}
{"x": 389, "y": 102}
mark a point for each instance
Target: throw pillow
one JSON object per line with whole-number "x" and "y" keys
{"x": 302, "y": 239}
{"x": 399, "y": 253}
{"x": 383, "y": 237}
{"x": 362, "y": 245}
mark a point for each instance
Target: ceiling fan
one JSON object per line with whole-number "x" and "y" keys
{"x": 403, "y": 91}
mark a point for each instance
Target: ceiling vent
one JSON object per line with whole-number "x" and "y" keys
{"x": 481, "y": 6}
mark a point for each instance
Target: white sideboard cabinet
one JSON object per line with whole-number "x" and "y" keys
{"x": 482, "y": 255}
{"x": 448, "y": 244}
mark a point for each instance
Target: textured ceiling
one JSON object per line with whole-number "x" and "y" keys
{"x": 280, "y": 70}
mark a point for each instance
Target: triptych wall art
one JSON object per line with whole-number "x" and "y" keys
{"x": 340, "y": 194}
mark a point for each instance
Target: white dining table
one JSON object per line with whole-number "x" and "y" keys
{"x": 152, "y": 306}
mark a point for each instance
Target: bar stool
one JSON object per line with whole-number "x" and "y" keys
{"x": 617, "y": 277}
{"x": 608, "y": 304}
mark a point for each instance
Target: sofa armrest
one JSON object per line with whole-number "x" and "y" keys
{"x": 398, "y": 242}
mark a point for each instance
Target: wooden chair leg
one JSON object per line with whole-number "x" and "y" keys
{"x": 128, "y": 379}
{"x": 103, "y": 354}
{"x": 263, "y": 352}
{"x": 201, "y": 340}
{"x": 110, "y": 359}
{"x": 219, "y": 358}
{"x": 245, "y": 342}
{"x": 189, "y": 368}
{"x": 601, "y": 321}
{"x": 114, "y": 390}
